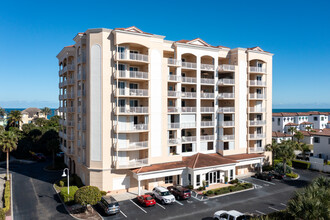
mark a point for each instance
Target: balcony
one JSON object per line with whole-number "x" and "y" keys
{"x": 132, "y": 110}
{"x": 70, "y": 109}
{"x": 174, "y": 141}
{"x": 207, "y": 123}
{"x": 207, "y": 109}
{"x": 81, "y": 58}
{"x": 226, "y": 82}
{"x": 257, "y": 96}
{"x": 173, "y": 110}
{"x": 257, "y": 136}
{"x": 62, "y": 135}
{"x": 205, "y": 95}
{"x": 227, "y": 137}
{"x": 130, "y": 146}
{"x": 132, "y": 163}
{"x": 66, "y": 82}
{"x": 81, "y": 93}
{"x": 173, "y": 94}
{"x": 174, "y": 78}
{"x": 63, "y": 122}
{"x": 70, "y": 123}
{"x": 256, "y": 149}
{"x": 226, "y": 96}
{"x": 255, "y": 69}
{"x": 257, "y": 122}
{"x": 226, "y": 109}
{"x": 173, "y": 62}
{"x": 226, "y": 68}
{"x": 131, "y": 127}
{"x": 188, "y": 139}
{"x": 188, "y": 80}
{"x": 81, "y": 76}
{"x": 132, "y": 92}
{"x": 188, "y": 109}
{"x": 188, "y": 95}
{"x": 208, "y": 67}
{"x": 71, "y": 137}
{"x": 69, "y": 67}
{"x": 188, "y": 124}
{"x": 81, "y": 109}
{"x": 207, "y": 81}
{"x": 256, "y": 109}
{"x": 132, "y": 74}
{"x": 188, "y": 65}
{"x": 257, "y": 83}
{"x": 175, "y": 125}
{"x": 227, "y": 124}
{"x": 133, "y": 57}
{"x": 207, "y": 137}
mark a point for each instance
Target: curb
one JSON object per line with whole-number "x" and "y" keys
{"x": 227, "y": 194}
{"x": 11, "y": 197}
{"x": 67, "y": 208}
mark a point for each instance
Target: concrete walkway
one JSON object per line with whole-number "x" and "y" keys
{"x": 128, "y": 195}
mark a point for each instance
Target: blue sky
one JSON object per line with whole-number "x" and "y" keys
{"x": 297, "y": 32}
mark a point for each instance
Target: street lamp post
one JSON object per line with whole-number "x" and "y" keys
{"x": 64, "y": 175}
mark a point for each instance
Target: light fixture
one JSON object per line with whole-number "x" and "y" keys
{"x": 64, "y": 174}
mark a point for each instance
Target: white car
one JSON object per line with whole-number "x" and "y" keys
{"x": 230, "y": 215}
{"x": 163, "y": 195}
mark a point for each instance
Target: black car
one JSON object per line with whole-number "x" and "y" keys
{"x": 277, "y": 175}
{"x": 263, "y": 176}
{"x": 109, "y": 205}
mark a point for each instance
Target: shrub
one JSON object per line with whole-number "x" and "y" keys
{"x": 276, "y": 161}
{"x": 267, "y": 168}
{"x": 64, "y": 193}
{"x": 103, "y": 193}
{"x": 279, "y": 168}
{"x": 328, "y": 162}
{"x": 190, "y": 187}
{"x": 301, "y": 164}
{"x": 247, "y": 185}
{"x": 234, "y": 181}
{"x": 87, "y": 195}
{"x": 6, "y": 196}
{"x": 2, "y": 214}
{"x": 201, "y": 188}
{"x": 292, "y": 175}
{"x": 209, "y": 192}
{"x": 77, "y": 181}
{"x": 61, "y": 183}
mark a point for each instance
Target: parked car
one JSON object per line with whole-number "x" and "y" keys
{"x": 109, "y": 205}
{"x": 232, "y": 215}
{"x": 277, "y": 175}
{"x": 179, "y": 192}
{"x": 60, "y": 154}
{"x": 163, "y": 195}
{"x": 300, "y": 156}
{"x": 39, "y": 157}
{"x": 263, "y": 176}
{"x": 146, "y": 200}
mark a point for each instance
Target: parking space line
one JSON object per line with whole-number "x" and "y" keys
{"x": 123, "y": 214}
{"x": 274, "y": 209}
{"x": 282, "y": 204}
{"x": 138, "y": 206}
{"x": 160, "y": 205}
{"x": 196, "y": 198}
{"x": 256, "y": 185}
{"x": 260, "y": 212}
{"x": 265, "y": 181}
{"x": 178, "y": 202}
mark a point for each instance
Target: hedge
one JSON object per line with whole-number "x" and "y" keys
{"x": 228, "y": 189}
{"x": 64, "y": 193}
{"x": 301, "y": 164}
{"x": 292, "y": 175}
{"x": 88, "y": 195}
{"x": 2, "y": 214}
{"x": 6, "y": 197}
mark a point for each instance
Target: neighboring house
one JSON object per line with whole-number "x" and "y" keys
{"x": 3, "y": 120}
{"x": 140, "y": 111}
{"x": 279, "y": 136}
{"x": 30, "y": 114}
{"x": 321, "y": 143}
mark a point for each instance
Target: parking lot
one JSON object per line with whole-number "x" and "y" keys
{"x": 266, "y": 198}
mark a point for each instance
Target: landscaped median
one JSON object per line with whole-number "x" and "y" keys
{"x": 5, "y": 211}
{"x": 229, "y": 189}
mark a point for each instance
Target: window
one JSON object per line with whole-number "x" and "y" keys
{"x": 198, "y": 180}
{"x": 209, "y": 145}
{"x": 132, "y": 68}
{"x": 218, "y": 176}
{"x": 273, "y": 119}
{"x": 231, "y": 174}
{"x": 328, "y": 140}
{"x": 322, "y": 118}
{"x": 278, "y": 121}
{"x": 315, "y": 118}
{"x": 186, "y": 148}
{"x": 168, "y": 179}
{"x": 316, "y": 140}
{"x": 226, "y": 146}
{"x": 189, "y": 179}
{"x": 259, "y": 143}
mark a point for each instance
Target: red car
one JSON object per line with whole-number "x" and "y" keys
{"x": 146, "y": 200}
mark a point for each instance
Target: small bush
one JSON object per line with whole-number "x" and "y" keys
{"x": 61, "y": 183}
{"x": 247, "y": 185}
{"x": 292, "y": 175}
{"x": 2, "y": 214}
{"x": 328, "y": 162}
{"x": 103, "y": 193}
{"x": 201, "y": 188}
{"x": 301, "y": 164}
{"x": 234, "y": 181}
{"x": 87, "y": 195}
{"x": 276, "y": 161}
{"x": 267, "y": 168}
{"x": 6, "y": 197}
{"x": 209, "y": 192}
{"x": 64, "y": 193}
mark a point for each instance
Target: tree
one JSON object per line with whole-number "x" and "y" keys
{"x": 40, "y": 122}
{"x": 2, "y": 112}
{"x": 292, "y": 130}
{"x": 2, "y": 129}
{"x": 304, "y": 148}
{"x": 8, "y": 143}
{"x": 53, "y": 145}
{"x": 46, "y": 111}
{"x": 87, "y": 195}
{"x": 299, "y": 136}
{"x": 286, "y": 151}
{"x": 313, "y": 202}
{"x": 272, "y": 147}
{"x": 15, "y": 118}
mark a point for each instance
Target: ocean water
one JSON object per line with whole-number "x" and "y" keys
{"x": 8, "y": 110}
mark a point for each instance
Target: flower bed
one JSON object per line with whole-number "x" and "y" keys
{"x": 292, "y": 175}
{"x": 228, "y": 189}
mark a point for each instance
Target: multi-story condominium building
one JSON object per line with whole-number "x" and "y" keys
{"x": 282, "y": 121}
{"x": 140, "y": 111}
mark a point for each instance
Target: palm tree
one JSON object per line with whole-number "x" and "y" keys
{"x": 46, "y": 111}
{"x": 15, "y": 117}
{"x": 286, "y": 151}
{"x": 299, "y": 136}
{"x": 272, "y": 147}
{"x": 292, "y": 130}
{"x": 304, "y": 148}
{"x": 53, "y": 145}
{"x": 308, "y": 128}
{"x": 8, "y": 143}
{"x": 2, "y": 112}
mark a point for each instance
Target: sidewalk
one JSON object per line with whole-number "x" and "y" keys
{"x": 2, "y": 187}
{"x": 128, "y": 195}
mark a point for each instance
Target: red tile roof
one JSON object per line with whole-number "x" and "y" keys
{"x": 291, "y": 124}
{"x": 279, "y": 114}
{"x": 280, "y": 134}
{"x": 307, "y": 123}
{"x": 324, "y": 132}
{"x": 69, "y": 46}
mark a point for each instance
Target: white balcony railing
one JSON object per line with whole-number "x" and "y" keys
{"x": 226, "y": 82}
{"x": 174, "y": 141}
{"x": 226, "y": 68}
{"x": 207, "y": 123}
{"x": 257, "y": 136}
{"x": 132, "y": 74}
{"x": 132, "y": 127}
{"x": 207, "y": 137}
{"x": 133, "y": 145}
{"x": 173, "y": 78}
{"x": 132, "y": 163}
{"x": 188, "y": 94}
{"x": 207, "y": 66}
{"x": 175, "y": 62}
{"x": 189, "y": 65}
{"x": 173, "y": 93}
{"x": 173, "y": 125}
{"x": 188, "y": 109}
{"x": 186, "y": 139}
{"x": 257, "y": 96}
{"x": 227, "y": 123}
{"x": 226, "y": 96}
{"x": 207, "y": 109}
{"x": 70, "y": 123}
{"x": 205, "y": 95}
{"x": 81, "y": 58}
{"x": 256, "y": 69}
{"x": 226, "y": 109}
{"x": 207, "y": 81}
{"x": 256, "y": 149}
{"x": 257, "y": 83}
{"x": 227, "y": 137}
{"x": 132, "y": 92}
{"x": 257, "y": 109}
{"x": 257, "y": 122}
{"x": 173, "y": 109}
{"x": 133, "y": 110}
{"x": 188, "y": 125}
{"x": 189, "y": 79}
{"x": 70, "y": 109}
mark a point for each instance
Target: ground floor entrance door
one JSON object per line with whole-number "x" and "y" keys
{"x": 213, "y": 177}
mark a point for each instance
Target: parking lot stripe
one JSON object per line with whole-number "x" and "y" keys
{"x": 178, "y": 202}
{"x": 123, "y": 214}
{"x": 160, "y": 205}
{"x": 138, "y": 206}
{"x": 282, "y": 204}
{"x": 274, "y": 208}
{"x": 260, "y": 212}
{"x": 196, "y": 198}
{"x": 265, "y": 181}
